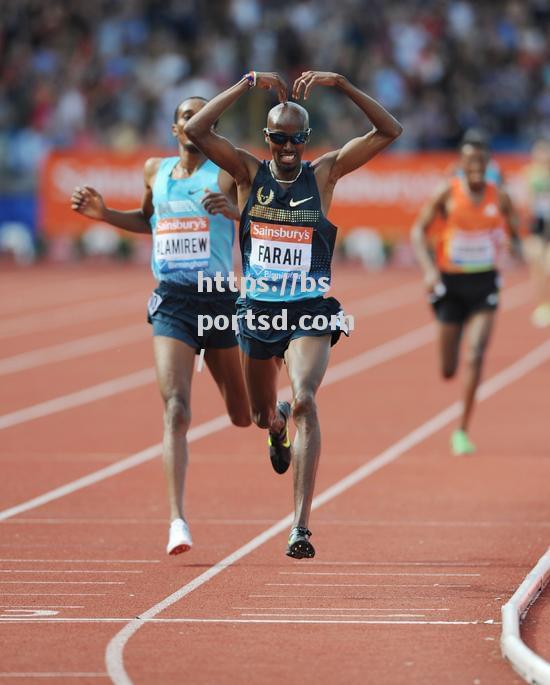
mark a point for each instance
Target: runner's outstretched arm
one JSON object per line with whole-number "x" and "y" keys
{"x": 419, "y": 241}
{"x": 357, "y": 151}
{"x": 241, "y": 165}
{"x": 89, "y": 202}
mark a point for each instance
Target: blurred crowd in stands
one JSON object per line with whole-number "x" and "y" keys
{"x": 110, "y": 72}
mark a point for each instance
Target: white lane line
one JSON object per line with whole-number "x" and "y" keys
{"x": 532, "y": 360}
{"x": 69, "y": 315}
{"x": 83, "y": 520}
{"x": 253, "y": 522}
{"x": 41, "y": 606}
{"x": 318, "y": 597}
{"x": 129, "y": 334}
{"x": 161, "y": 621}
{"x": 439, "y": 524}
{"x": 62, "y": 582}
{"x": 441, "y": 585}
{"x": 378, "y": 355}
{"x": 429, "y": 564}
{"x": 59, "y": 570}
{"x": 52, "y": 674}
{"x": 53, "y": 594}
{"x": 89, "y": 308}
{"x": 361, "y": 573}
{"x": 384, "y": 301}
{"x": 334, "y": 609}
{"x": 114, "y": 469}
{"x": 83, "y": 561}
{"x": 77, "y": 399}
{"x": 75, "y": 348}
{"x": 330, "y": 616}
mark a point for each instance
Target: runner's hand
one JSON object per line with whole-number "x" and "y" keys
{"x": 268, "y": 80}
{"x": 309, "y": 79}
{"x": 432, "y": 281}
{"x": 217, "y": 203}
{"x": 86, "y": 200}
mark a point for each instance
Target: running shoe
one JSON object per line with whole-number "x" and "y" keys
{"x": 460, "y": 443}
{"x": 179, "y": 538}
{"x": 280, "y": 448}
{"x": 541, "y": 316}
{"x": 299, "y": 546}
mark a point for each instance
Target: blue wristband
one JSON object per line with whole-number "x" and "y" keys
{"x": 251, "y": 78}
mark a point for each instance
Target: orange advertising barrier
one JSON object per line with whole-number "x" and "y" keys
{"x": 384, "y": 195}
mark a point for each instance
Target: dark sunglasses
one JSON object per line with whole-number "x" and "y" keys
{"x": 297, "y": 138}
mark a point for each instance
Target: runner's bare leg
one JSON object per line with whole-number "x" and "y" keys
{"x": 261, "y": 378}
{"x": 225, "y": 367}
{"x": 479, "y": 333}
{"x": 450, "y": 335}
{"x": 307, "y": 360}
{"x": 174, "y": 363}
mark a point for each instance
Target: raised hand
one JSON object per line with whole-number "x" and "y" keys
{"x": 86, "y": 200}
{"x": 309, "y": 79}
{"x": 217, "y": 203}
{"x": 270, "y": 79}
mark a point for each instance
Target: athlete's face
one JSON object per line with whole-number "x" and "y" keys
{"x": 286, "y": 136}
{"x": 474, "y": 163}
{"x": 185, "y": 111}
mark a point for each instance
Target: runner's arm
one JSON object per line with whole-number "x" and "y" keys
{"x": 511, "y": 218}
{"x": 241, "y": 165}
{"x": 89, "y": 202}
{"x": 419, "y": 240}
{"x": 357, "y": 151}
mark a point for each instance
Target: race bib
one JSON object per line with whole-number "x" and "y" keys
{"x": 472, "y": 249}
{"x": 183, "y": 239}
{"x": 276, "y": 247}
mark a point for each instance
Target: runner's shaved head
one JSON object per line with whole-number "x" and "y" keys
{"x": 288, "y": 116}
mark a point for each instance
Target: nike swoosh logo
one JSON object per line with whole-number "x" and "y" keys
{"x": 295, "y": 203}
{"x": 195, "y": 190}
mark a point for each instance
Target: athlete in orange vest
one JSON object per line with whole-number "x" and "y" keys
{"x": 462, "y": 280}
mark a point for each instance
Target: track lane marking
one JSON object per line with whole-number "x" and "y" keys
{"x": 530, "y": 361}
{"x": 100, "y": 391}
{"x": 378, "y": 355}
{"x": 61, "y": 352}
{"x": 418, "y": 337}
{"x": 161, "y": 621}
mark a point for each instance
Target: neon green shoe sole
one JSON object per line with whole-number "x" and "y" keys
{"x": 460, "y": 443}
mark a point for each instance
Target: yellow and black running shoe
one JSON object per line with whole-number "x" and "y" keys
{"x": 280, "y": 448}
{"x": 299, "y": 546}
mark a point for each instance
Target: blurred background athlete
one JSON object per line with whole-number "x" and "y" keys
{"x": 463, "y": 281}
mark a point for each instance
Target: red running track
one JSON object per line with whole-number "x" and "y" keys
{"x": 416, "y": 550}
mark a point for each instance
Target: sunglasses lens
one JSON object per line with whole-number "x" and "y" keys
{"x": 281, "y": 138}
{"x": 278, "y": 138}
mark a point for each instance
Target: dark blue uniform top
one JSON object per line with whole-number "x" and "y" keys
{"x": 286, "y": 241}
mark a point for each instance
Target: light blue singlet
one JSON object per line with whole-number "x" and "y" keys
{"x": 186, "y": 238}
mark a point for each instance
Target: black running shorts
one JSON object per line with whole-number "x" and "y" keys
{"x": 271, "y": 326}
{"x": 465, "y": 294}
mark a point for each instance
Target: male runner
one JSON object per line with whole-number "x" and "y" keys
{"x": 463, "y": 281}
{"x": 185, "y": 206}
{"x": 286, "y": 244}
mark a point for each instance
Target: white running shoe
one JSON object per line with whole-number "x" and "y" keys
{"x": 179, "y": 538}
